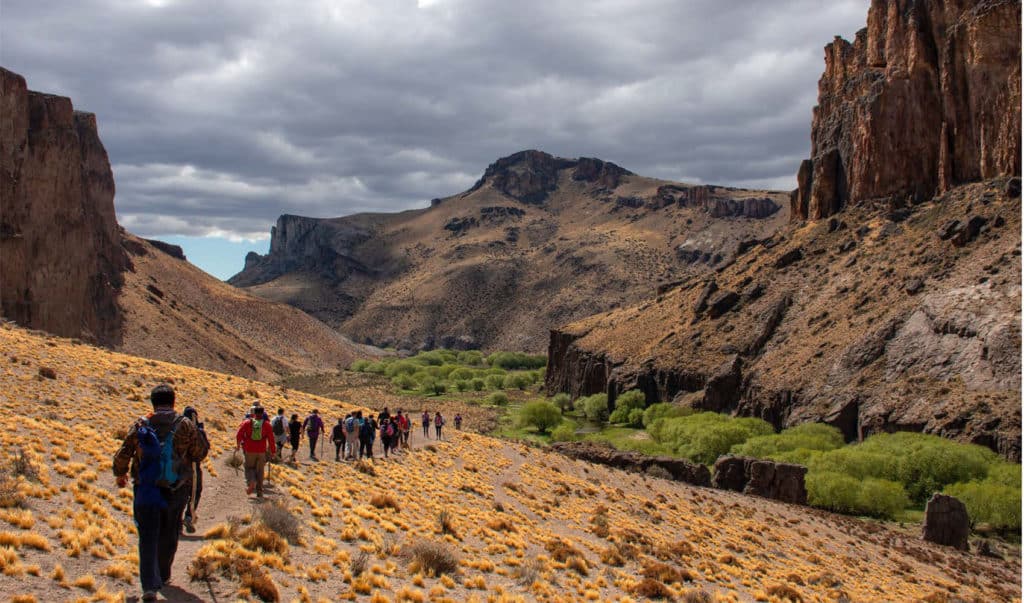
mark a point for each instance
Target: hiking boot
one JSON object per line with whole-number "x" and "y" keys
{"x": 249, "y": 488}
{"x": 190, "y": 528}
{"x": 149, "y": 595}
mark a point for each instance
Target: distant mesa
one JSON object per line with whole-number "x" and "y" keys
{"x": 530, "y": 176}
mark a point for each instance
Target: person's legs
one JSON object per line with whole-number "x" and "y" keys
{"x": 147, "y": 522}
{"x": 426, "y": 432}
{"x": 312, "y": 445}
{"x": 438, "y": 429}
{"x": 250, "y": 471}
{"x": 170, "y": 528}
{"x": 337, "y": 450}
{"x": 261, "y": 468}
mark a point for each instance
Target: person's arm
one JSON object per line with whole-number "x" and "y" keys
{"x": 271, "y": 441}
{"x": 124, "y": 457}
{"x": 240, "y": 436}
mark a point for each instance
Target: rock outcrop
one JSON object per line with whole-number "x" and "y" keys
{"x": 61, "y": 260}
{"x": 927, "y": 96}
{"x": 681, "y": 470}
{"x": 946, "y": 522}
{"x": 768, "y": 479}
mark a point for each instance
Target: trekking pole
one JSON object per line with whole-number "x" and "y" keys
{"x": 268, "y": 464}
{"x": 192, "y": 498}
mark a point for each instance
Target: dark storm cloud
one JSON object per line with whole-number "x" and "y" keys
{"x": 219, "y": 116}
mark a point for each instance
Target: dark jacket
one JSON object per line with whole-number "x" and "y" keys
{"x": 188, "y": 444}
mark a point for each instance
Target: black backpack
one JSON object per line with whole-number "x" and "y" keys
{"x": 278, "y": 425}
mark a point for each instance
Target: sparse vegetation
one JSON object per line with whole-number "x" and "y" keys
{"x": 432, "y": 558}
{"x": 277, "y": 517}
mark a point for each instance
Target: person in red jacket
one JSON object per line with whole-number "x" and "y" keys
{"x": 256, "y": 438}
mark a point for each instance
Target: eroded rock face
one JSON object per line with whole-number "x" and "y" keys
{"x": 61, "y": 260}
{"x": 768, "y": 479}
{"x": 927, "y": 96}
{"x": 681, "y": 470}
{"x": 946, "y": 522}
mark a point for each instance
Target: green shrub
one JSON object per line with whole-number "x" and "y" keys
{"x": 462, "y": 373}
{"x": 377, "y": 368}
{"x": 497, "y": 399}
{"x": 516, "y": 360}
{"x": 402, "y": 367}
{"x": 565, "y": 432}
{"x": 478, "y": 384}
{"x": 495, "y": 381}
{"x": 430, "y": 386}
{"x": 359, "y": 366}
{"x": 436, "y": 357}
{"x": 846, "y": 494}
{"x": 809, "y": 436}
{"x": 705, "y": 436}
{"x": 463, "y": 385}
{"x": 470, "y": 358}
{"x": 405, "y": 382}
{"x": 516, "y": 381}
{"x": 562, "y": 401}
{"x": 626, "y": 405}
{"x": 994, "y": 500}
{"x": 593, "y": 407}
{"x": 540, "y": 414}
{"x": 663, "y": 410}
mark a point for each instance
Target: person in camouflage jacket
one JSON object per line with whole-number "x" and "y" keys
{"x": 160, "y": 525}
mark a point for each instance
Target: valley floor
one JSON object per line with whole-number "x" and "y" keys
{"x": 521, "y": 523}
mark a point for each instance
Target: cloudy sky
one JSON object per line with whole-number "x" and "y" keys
{"x": 219, "y": 116}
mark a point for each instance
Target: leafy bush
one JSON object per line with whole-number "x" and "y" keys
{"x": 994, "y": 500}
{"x": 562, "y": 401}
{"x": 430, "y": 386}
{"x": 359, "y": 366}
{"x": 401, "y": 367}
{"x": 705, "y": 436}
{"x": 405, "y": 382}
{"x": 463, "y": 385}
{"x": 540, "y": 414}
{"x": 377, "y": 368}
{"x": 809, "y": 436}
{"x": 516, "y": 360}
{"x": 565, "y": 432}
{"x": 629, "y": 408}
{"x": 462, "y": 373}
{"x": 495, "y": 381}
{"x": 478, "y": 384}
{"x": 470, "y": 358}
{"x": 663, "y": 410}
{"x": 517, "y": 381}
{"x": 846, "y": 494}
{"x": 593, "y": 407}
{"x": 497, "y": 399}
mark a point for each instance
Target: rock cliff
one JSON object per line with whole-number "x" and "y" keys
{"x": 927, "y": 96}
{"x": 61, "y": 260}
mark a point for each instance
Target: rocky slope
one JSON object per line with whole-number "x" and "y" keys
{"x": 537, "y": 241}
{"x": 67, "y": 268}
{"x": 927, "y": 96}
{"x": 60, "y": 254}
{"x": 518, "y": 523}
{"x": 901, "y": 312}
{"x": 174, "y": 311}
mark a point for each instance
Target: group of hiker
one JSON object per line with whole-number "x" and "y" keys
{"x": 162, "y": 455}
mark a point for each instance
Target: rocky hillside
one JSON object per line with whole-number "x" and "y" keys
{"x": 927, "y": 96}
{"x": 66, "y": 266}
{"x": 538, "y": 241}
{"x": 174, "y": 311}
{"x": 898, "y": 313}
{"x": 60, "y": 254}
{"x": 469, "y": 518}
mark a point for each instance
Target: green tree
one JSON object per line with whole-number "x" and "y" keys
{"x": 593, "y": 407}
{"x": 625, "y": 405}
{"x": 540, "y": 414}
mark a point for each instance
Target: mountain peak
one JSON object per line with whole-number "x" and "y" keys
{"x": 530, "y": 175}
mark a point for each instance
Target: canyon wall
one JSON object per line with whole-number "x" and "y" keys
{"x": 927, "y": 96}
{"x": 61, "y": 260}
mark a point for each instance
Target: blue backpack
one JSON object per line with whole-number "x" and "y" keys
{"x": 158, "y": 466}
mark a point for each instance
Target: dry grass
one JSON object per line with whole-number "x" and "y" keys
{"x": 432, "y": 558}
{"x": 278, "y": 518}
{"x": 384, "y": 501}
{"x": 648, "y": 588}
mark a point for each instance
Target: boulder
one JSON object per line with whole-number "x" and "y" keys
{"x": 681, "y": 470}
{"x": 778, "y": 481}
{"x": 730, "y": 473}
{"x": 946, "y": 522}
{"x": 722, "y": 303}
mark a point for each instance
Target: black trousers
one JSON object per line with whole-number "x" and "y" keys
{"x": 158, "y": 537}
{"x": 366, "y": 447}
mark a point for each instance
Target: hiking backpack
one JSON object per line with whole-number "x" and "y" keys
{"x": 278, "y": 425}
{"x": 350, "y": 425}
{"x": 159, "y": 465}
{"x": 257, "y": 429}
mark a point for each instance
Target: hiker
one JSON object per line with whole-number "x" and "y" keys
{"x": 367, "y": 433}
{"x": 158, "y": 452}
{"x": 352, "y": 426}
{"x": 387, "y": 430}
{"x": 196, "y": 491}
{"x": 426, "y": 424}
{"x": 280, "y": 427}
{"x": 458, "y": 421}
{"x": 338, "y": 436}
{"x": 255, "y": 438}
{"x": 438, "y": 423}
{"x": 314, "y": 427}
{"x": 295, "y": 435}
{"x": 405, "y": 426}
